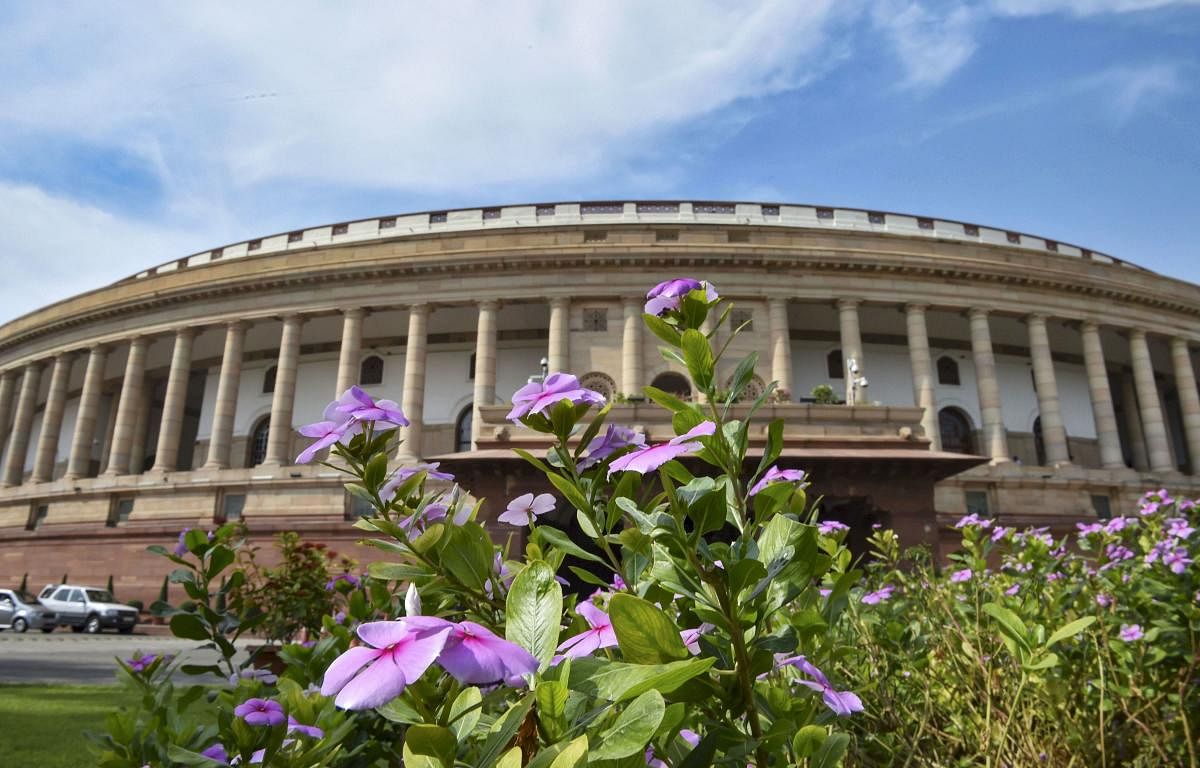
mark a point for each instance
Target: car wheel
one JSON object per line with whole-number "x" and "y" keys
{"x": 92, "y": 625}
{"x": 19, "y": 625}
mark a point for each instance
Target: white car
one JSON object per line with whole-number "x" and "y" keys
{"x": 88, "y": 609}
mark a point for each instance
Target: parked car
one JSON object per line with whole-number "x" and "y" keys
{"x": 88, "y": 609}
{"x": 19, "y": 612}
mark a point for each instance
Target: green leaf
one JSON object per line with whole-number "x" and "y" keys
{"x": 573, "y": 755}
{"x": 570, "y": 491}
{"x": 808, "y": 740}
{"x": 429, "y": 746}
{"x": 645, "y": 634}
{"x": 189, "y": 626}
{"x": 534, "y": 610}
{"x": 1070, "y": 630}
{"x": 562, "y": 542}
{"x": 466, "y": 551}
{"x": 467, "y": 701}
{"x": 618, "y": 681}
{"x": 697, "y": 354}
{"x": 1010, "y": 624}
{"x": 831, "y": 751}
{"x": 634, "y": 728}
{"x": 662, "y": 329}
{"x": 503, "y": 731}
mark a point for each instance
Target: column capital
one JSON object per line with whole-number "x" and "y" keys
{"x": 850, "y": 303}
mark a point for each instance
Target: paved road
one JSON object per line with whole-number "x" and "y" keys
{"x": 65, "y": 657}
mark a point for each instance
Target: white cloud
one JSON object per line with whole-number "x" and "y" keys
{"x": 1081, "y": 7}
{"x": 55, "y": 248}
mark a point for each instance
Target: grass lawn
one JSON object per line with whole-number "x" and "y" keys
{"x": 43, "y": 725}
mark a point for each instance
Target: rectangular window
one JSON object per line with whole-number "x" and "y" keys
{"x": 741, "y": 317}
{"x": 977, "y": 503}
{"x": 595, "y": 319}
{"x": 119, "y": 512}
{"x": 37, "y": 515}
{"x": 232, "y": 505}
{"x": 1102, "y": 506}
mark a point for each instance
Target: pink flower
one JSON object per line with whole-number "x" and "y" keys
{"x": 776, "y": 475}
{"x": 651, "y": 457}
{"x": 537, "y": 396}
{"x": 526, "y": 508}
{"x": 599, "y": 635}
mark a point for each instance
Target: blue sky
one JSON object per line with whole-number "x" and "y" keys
{"x": 131, "y": 134}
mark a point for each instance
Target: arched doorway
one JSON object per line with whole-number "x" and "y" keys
{"x": 257, "y": 448}
{"x": 462, "y": 428}
{"x": 955, "y": 428}
{"x": 674, "y": 384}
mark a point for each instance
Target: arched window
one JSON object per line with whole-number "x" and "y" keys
{"x": 947, "y": 370}
{"x": 462, "y": 428}
{"x": 834, "y": 365}
{"x": 269, "y": 380}
{"x": 258, "y": 441}
{"x": 1039, "y": 442}
{"x": 371, "y": 371}
{"x": 673, "y": 383}
{"x": 955, "y": 429}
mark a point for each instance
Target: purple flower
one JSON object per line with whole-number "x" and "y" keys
{"x": 691, "y": 637}
{"x": 139, "y": 663}
{"x": 474, "y": 655}
{"x": 843, "y": 703}
{"x": 960, "y": 576}
{"x": 614, "y": 439}
{"x": 776, "y": 475}
{"x": 830, "y": 527}
{"x": 537, "y": 396}
{"x": 308, "y": 730}
{"x": 396, "y": 654}
{"x": 1130, "y": 632}
{"x": 217, "y": 752}
{"x": 260, "y": 712}
{"x": 650, "y": 457}
{"x": 668, "y": 295}
{"x": 526, "y": 508}
{"x": 358, "y": 405}
{"x": 879, "y": 595}
{"x": 599, "y": 635}
{"x": 388, "y": 491}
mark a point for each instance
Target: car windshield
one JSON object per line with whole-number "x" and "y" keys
{"x": 100, "y": 596}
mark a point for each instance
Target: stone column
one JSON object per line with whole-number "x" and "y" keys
{"x": 279, "y": 435}
{"x": 632, "y": 371}
{"x": 413, "y": 404}
{"x": 56, "y": 398}
{"x": 18, "y": 439}
{"x": 8, "y": 393}
{"x": 166, "y": 458}
{"x": 1107, "y": 436}
{"x": 225, "y": 408}
{"x": 558, "y": 355}
{"x": 80, "y": 462}
{"x": 1054, "y": 432}
{"x": 348, "y": 362}
{"x": 128, "y": 405}
{"x": 1133, "y": 425}
{"x": 995, "y": 439}
{"x": 851, "y": 339}
{"x": 1189, "y": 399}
{"x": 485, "y": 364}
{"x": 1151, "y": 409}
{"x": 924, "y": 394}
{"x": 781, "y": 344}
